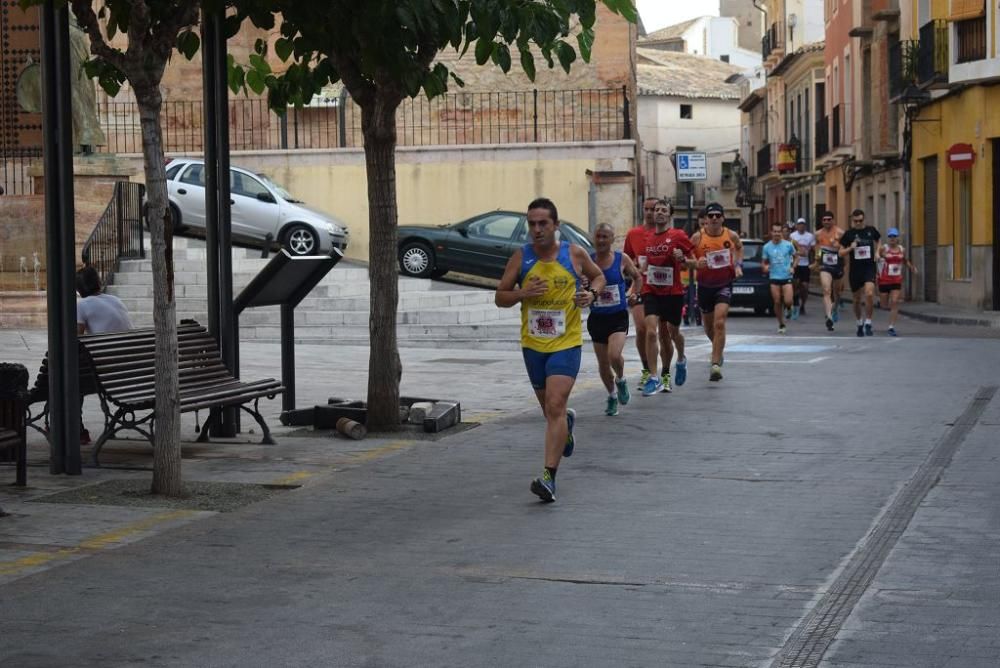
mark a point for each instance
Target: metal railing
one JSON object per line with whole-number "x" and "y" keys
{"x": 14, "y": 164}
{"x": 932, "y": 52}
{"x": 764, "y": 160}
{"x": 970, "y": 38}
{"x": 822, "y": 136}
{"x": 515, "y": 117}
{"x": 836, "y": 125}
{"x": 902, "y": 65}
{"x": 772, "y": 40}
{"x": 118, "y": 234}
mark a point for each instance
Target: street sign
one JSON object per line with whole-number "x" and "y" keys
{"x": 961, "y": 156}
{"x": 692, "y": 167}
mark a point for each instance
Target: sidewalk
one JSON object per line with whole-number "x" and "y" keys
{"x": 945, "y": 315}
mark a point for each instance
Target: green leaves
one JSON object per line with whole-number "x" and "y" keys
{"x": 188, "y": 43}
{"x": 108, "y": 77}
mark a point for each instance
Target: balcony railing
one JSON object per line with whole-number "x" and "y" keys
{"x": 764, "y": 160}
{"x": 772, "y": 40}
{"x": 970, "y": 38}
{"x": 932, "y": 53}
{"x": 822, "y": 136}
{"x": 902, "y": 65}
{"x": 835, "y": 124}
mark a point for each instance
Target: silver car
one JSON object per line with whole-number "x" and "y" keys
{"x": 260, "y": 207}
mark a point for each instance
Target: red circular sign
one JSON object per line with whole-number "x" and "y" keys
{"x": 961, "y": 156}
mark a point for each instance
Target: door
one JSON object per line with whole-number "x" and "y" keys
{"x": 253, "y": 217}
{"x": 190, "y": 196}
{"x": 930, "y": 229}
{"x": 995, "y": 145}
{"x": 482, "y": 245}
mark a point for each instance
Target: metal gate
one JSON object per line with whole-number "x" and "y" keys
{"x": 20, "y": 133}
{"x": 931, "y": 229}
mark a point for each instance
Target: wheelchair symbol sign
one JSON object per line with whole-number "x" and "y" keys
{"x": 692, "y": 167}
{"x": 682, "y": 162}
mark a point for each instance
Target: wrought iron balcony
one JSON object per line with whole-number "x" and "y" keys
{"x": 970, "y": 40}
{"x": 932, "y": 53}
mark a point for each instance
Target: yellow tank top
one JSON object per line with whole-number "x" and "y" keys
{"x": 550, "y": 322}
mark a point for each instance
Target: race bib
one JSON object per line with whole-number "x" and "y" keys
{"x": 609, "y": 296}
{"x": 720, "y": 259}
{"x": 863, "y": 253}
{"x": 894, "y": 270}
{"x": 830, "y": 259}
{"x": 660, "y": 276}
{"x": 546, "y": 324}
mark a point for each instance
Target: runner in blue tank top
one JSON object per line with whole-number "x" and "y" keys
{"x": 608, "y": 320}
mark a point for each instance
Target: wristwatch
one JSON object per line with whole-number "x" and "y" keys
{"x": 593, "y": 293}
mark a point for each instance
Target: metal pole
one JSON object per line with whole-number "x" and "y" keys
{"x": 690, "y": 206}
{"x": 288, "y": 357}
{"x": 209, "y": 29}
{"x": 64, "y": 387}
{"x": 342, "y": 117}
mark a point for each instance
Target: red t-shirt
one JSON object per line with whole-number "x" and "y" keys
{"x": 663, "y": 272}
{"x": 634, "y": 240}
{"x": 892, "y": 266}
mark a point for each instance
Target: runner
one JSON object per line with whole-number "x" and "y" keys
{"x": 608, "y": 319}
{"x": 890, "y": 280}
{"x": 690, "y": 280}
{"x": 862, "y": 244}
{"x": 778, "y": 256}
{"x": 719, "y": 253}
{"x": 543, "y": 276}
{"x": 667, "y": 250}
{"x": 831, "y": 265}
{"x": 634, "y": 249}
{"x": 805, "y": 242}
{"x": 786, "y": 234}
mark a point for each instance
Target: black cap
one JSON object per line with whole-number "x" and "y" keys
{"x": 714, "y": 207}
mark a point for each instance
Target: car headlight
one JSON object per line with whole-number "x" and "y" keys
{"x": 333, "y": 229}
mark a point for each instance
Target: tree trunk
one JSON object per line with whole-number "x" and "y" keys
{"x": 167, "y": 423}
{"x": 378, "y": 122}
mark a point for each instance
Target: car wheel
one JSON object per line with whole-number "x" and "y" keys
{"x": 301, "y": 240}
{"x": 416, "y": 259}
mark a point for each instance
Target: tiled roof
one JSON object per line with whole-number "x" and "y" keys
{"x": 670, "y": 32}
{"x": 669, "y": 73}
{"x": 787, "y": 61}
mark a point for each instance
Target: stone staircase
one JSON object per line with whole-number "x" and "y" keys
{"x": 431, "y": 313}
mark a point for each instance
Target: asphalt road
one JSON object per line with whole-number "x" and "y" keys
{"x": 700, "y": 528}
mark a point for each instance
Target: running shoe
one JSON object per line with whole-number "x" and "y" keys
{"x": 788, "y": 313}
{"x": 681, "y": 370}
{"x": 570, "y": 439}
{"x": 868, "y": 329}
{"x": 643, "y": 379}
{"x": 611, "y": 409}
{"x": 795, "y": 313}
{"x": 651, "y": 387}
{"x": 836, "y": 314}
{"x": 829, "y": 324}
{"x": 892, "y": 331}
{"x": 624, "y": 396}
{"x": 782, "y": 330}
{"x": 861, "y": 331}
{"x": 665, "y": 382}
{"x": 716, "y": 373}
{"x": 544, "y": 488}
{"x": 802, "y": 310}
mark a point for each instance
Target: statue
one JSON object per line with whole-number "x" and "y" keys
{"x": 87, "y": 131}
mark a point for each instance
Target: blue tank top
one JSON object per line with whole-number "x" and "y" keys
{"x": 612, "y": 298}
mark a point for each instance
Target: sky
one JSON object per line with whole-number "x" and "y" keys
{"x": 658, "y": 14}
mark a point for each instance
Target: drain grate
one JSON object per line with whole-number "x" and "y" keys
{"x": 814, "y": 635}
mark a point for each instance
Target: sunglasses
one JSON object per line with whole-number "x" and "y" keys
{"x": 715, "y": 215}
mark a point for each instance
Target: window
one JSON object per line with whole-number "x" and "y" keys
{"x": 248, "y": 186}
{"x": 496, "y": 226}
{"x": 172, "y": 172}
{"x": 195, "y": 176}
{"x": 686, "y": 111}
{"x": 724, "y": 58}
{"x": 963, "y": 227}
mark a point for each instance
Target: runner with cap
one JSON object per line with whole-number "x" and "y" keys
{"x": 890, "y": 280}
{"x": 719, "y": 261}
{"x": 831, "y": 266}
{"x": 543, "y": 277}
{"x": 608, "y": 319}
{"x": 805, "y": 242}
{"x": 861, "y": 244}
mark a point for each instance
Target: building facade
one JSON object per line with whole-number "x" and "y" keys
{"x": 713, "y": 36}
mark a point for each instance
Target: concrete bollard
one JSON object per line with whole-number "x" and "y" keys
{"x": 419, "y": 411}
{"x": 351, "y": 429}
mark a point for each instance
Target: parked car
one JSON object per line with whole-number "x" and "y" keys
{"x": 753, "y": 289}
{"x": 259, "y": 206}
{"x": 480, "y": 245}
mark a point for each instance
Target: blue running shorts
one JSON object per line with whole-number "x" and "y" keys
{"x": 542, "y": 365}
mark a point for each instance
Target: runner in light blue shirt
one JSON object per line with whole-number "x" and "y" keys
{"x": 778, "y": 260}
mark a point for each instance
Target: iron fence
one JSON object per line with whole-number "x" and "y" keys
{"x": 514, "y": 117}
{"x": 118, "y": 233}
{"x": 14, "y": 169}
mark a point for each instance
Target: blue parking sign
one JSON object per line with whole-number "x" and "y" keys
{"x": 683, "y": 160}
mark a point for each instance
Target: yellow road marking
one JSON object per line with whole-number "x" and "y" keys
{"x": 381, "y": 451}
{"x": 293, "y": 478}
{"x": 94, "y": 543}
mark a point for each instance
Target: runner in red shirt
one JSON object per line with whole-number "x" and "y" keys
{"x": 890, "y": 279}
{"x": 635, "y": 248}
{"x": 666, "y": 251}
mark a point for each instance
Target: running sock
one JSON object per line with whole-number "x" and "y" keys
{"x": 868, "y": 321}
{"x": 551, "y": 472}
{"x": 860, "y": 323}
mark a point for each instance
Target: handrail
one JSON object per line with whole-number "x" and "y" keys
{"x": 118, "y": 234}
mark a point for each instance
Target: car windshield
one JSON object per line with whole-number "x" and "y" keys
{"x": 282, "y": 193}
{"x": 751, "y": 251}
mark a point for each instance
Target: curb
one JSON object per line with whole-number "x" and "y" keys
{"x": 961, "y": 321}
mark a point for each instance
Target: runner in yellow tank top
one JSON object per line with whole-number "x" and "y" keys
{"x": 543, "y": 277}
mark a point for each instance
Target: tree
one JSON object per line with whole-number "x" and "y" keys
{"x": 152, "y": 31}
{"x": 384, "y": 51}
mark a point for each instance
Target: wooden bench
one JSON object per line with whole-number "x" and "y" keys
{"x": 124, "y": 373}
{"x": 13, "y": 398}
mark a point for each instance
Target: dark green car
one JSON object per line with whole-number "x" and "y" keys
{"x": 480, "y": 245}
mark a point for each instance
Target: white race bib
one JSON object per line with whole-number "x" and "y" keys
{"x": 830, "y": 259}
{"x": 719, "y": 259}
{"x": 609, "y": 296}
{"x": 863, "y": 253}
{"x": 660, "y": 276}
{"x": 546, "y": 324}
{"x": 895, "y": 270}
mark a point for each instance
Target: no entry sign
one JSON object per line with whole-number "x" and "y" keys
{"x": 961, "y": 156}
